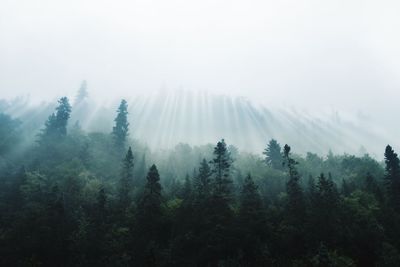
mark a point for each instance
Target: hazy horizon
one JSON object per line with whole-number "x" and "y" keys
{"x": 308, "y": 54}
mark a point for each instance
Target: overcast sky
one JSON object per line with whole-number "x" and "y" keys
{"x": 343, "y": 54}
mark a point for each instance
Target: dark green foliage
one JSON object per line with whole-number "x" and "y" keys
{"x": 325, "y": 212}
{"x": 149, "y": 222}
{"x": 252, "y": 225}
{"x": 273, "y": 154}
{"x": 121, "y": 128}
{"x": 126, "y": 181}
{"x": 295, "y": 209}
{"x": 69, "y": 202}
{"x": 295, "y": 203}
{"x": 221, "y": 169}
{"x": 56, "y": 124}
{"x": 202, "y": 183}
{"x": 392, "y": 177}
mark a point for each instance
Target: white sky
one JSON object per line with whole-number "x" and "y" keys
{"x": 343, "y": 54}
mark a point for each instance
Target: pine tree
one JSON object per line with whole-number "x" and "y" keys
{"x": 372, "y": 187}
{"x": 295, "y": 210}
{"x": 251, "y": 224}
{"x": 121, "y": 128}
{"x": 295, "y": 204}
{"x": 392, "y": 177}
{"x": 221, "y": 169}
{"x": 56, "y": 124}
{"x": 149, "y": 221}
{"x": 82, "y": 93}
{"x": 126, "y": 181}
{"x": 219, "y": 212}
{"x": 273, "y": 155}
{"x": 203, "y": 180}
{"x": 325, "y": 210}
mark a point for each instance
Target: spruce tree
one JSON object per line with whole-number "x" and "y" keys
{"x": 273, "y": 155}
{"x": 392, "y": 177}
{"x": 219, "y": 211}
{"x": 296, "y": 203}
{"x": 295, "y": 210}
{"x": 221, "y": 169}
{"x": 325, "y": 211}
{"x": 149, "y": 221}
{"x": 56, "y": 124}
{"x": 121, "y": 128}
{"x": 203, "y": 180}
{"x": 126, "y": 181}
{"x": 251, "y": 224}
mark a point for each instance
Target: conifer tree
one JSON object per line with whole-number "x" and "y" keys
{"x": 392, "y": 177}
{"x": 121, "y": 128}
{"x": 295, "y": 204}
{"x": 221, "y": 170}
{"x": 149, "y": 222}
{"x": 325, "y": 210}
{"x": 82, "y": 94}
{"x": 295, "y": 210}
{"x": 126, "y": 181}
{"x": 203, "y": 180}
{"x": 56, "y": 124}
{"x": 252, "y": 224}
{"x": 273, "y": 155}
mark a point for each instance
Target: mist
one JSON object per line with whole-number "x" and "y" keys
{"x": 199, "y": 133}
{"x": 317, "y": 58}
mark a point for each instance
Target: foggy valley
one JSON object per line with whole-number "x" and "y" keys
{"x": 180, "y": 133}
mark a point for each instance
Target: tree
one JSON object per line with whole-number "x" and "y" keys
{"x": 126, "y": 181}
{"x": 56, "y": 124}
{"x": 9, "y": 133}
{"x": 324, "y": 212}
{"x": 219, "y": 213}
{"x": 392, "y": 177}
{"x": 82, "y": 93}
{"x": 295, "y": 210}
{"x": 273, "y": 154}
{"x": 221, "y": 170}
{"x": 203, "y": 180}
{"x": 121, "y": 128}
{"x": 149, "y": 221}
{"x": 252, "y": 224}
{"x": 295, "y": 203}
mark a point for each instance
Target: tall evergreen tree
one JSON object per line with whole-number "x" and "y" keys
{"x": 126, "y": 181}
{"x": 56, "y": 124}
{"x": 393, "y": 177}
{"x": 203, "y": 180}
{"x": 82, "y": 94}
{"x": 295, "y": 210}
{"x": 149, "y": 221}
{"x": 121, "y": 128}
{"x": 273, "y": 154}
{"x": 221, "y": 170}
{"x": 252, "y": 225}
{"x": 296, "y": 203}
{"x": 325, "y": 211}
{"x": 219, "y": 210}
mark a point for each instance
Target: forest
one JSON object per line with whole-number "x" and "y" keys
{"x": 72, "y": 197}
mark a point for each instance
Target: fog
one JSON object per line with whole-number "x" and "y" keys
{"x": 318, "y": 56}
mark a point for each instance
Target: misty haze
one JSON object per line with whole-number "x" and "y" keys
{"x": 209, "y": 133}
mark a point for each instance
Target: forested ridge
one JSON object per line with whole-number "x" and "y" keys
{"x": 77, "y": 198}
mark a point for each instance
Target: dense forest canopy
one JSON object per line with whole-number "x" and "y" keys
{"x": 86, "y": 198}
